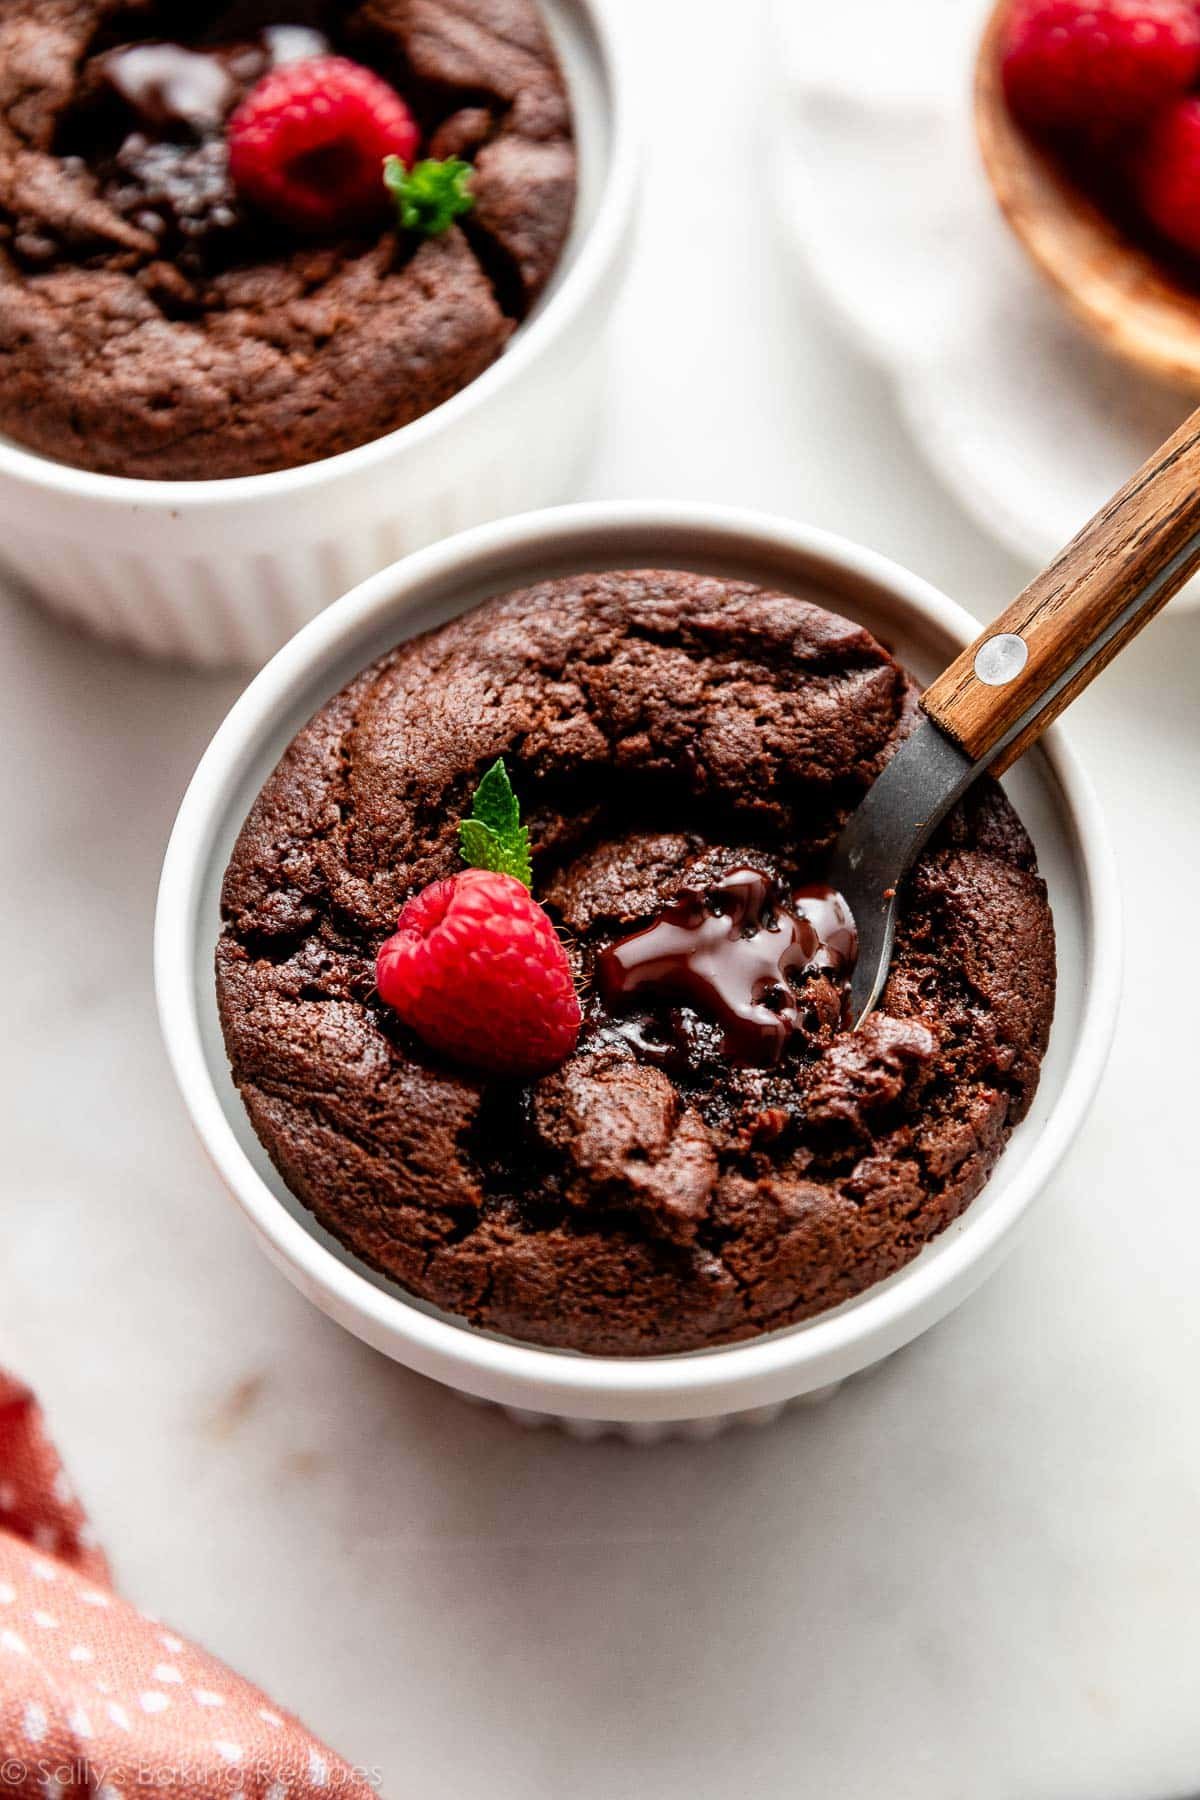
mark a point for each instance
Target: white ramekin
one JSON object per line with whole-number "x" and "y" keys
{"x": 217, "y": 572}
{"x": 644, "y": 1398}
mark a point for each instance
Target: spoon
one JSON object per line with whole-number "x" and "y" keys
{"x": 998, "y": 697}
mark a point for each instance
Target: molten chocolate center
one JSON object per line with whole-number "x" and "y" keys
{"x": 152, "y": 131}
{"x": 168, "y": 85}
{"x": 727, "y": 952}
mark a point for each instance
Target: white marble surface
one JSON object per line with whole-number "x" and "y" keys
{"x": 973, "y": 1573}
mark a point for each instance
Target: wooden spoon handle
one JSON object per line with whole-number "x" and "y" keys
{"x": 1122, "y": 568}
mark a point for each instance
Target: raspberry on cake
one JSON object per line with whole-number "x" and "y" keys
{"x": 696, "y": 1149}
{"x": 309, "y": 141}
{"x": 206, "y": 273}
{"x": 475, "y": 969}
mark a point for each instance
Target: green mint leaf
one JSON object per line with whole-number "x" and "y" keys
{"x": 482, "y": 848}
{"x": 430, "y": 195}
{"x": 494, "y": 837}
{"x": 495, "y": 804}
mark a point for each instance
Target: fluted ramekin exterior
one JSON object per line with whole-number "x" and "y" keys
{"x": 661, "y": 1431}
{"x": 223, "y": 572}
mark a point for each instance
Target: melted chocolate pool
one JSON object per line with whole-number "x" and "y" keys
{"x": 158, "y": 112}
{"x": 731, "y": 953}
{"x": 168, "y": 86}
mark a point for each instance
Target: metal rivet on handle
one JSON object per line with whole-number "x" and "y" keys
{"x": 1001, "y": 659}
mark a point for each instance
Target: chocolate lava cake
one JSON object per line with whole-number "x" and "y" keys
{"x": 156, "y": 323}
{"x": 697, "y": 1170}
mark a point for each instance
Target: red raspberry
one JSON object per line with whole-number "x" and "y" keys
{"x": 1167, "y": 175}
{"x": 307, "y": 143}
{"x": 1096, "y": 66}
{"x": 476, "y": 970}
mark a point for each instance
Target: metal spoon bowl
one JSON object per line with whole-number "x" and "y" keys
{"x": 997, "y": 698}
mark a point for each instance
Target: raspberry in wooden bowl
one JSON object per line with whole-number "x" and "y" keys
{"x": 1088, "y": 120}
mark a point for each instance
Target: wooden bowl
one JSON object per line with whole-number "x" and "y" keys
{"x": 1126, "y": 299}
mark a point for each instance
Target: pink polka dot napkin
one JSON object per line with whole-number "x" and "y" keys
{"x": 96, "y": 1698}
